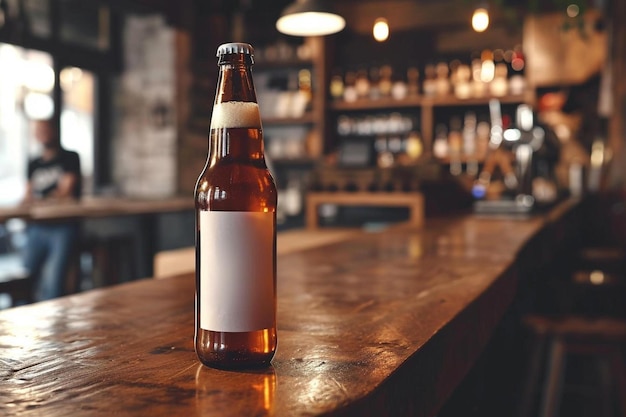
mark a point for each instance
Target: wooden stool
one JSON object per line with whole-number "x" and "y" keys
{"x": 603, "y": 338}
{"x": 112, "y": 259}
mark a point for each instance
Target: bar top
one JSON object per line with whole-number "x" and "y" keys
{"x": 384, "y": 323}
{"x": 94, "y": 207}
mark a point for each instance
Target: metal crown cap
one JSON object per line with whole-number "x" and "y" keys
{"x": 235, "y": 48}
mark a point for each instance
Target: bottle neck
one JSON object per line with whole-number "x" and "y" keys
{"x": 236, "y": 134}
{"x": 236, "y": 145}
{"x": 234, "y": 81}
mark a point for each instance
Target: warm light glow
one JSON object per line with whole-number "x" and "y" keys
{"x": 512, "y": 135}
{"x": 573, "y": 10}
{"x": 596, "y": 277}
{"x": 69, "y": 76}
{"x": 268, "y": 392}
{"x": 487, "y": 71}
{"x": 517, "y": 64}
{"x": 38, "y": 106}
{"x": 381, "y": 29}
{"x": 38, "y": 76}
{"x": 310, "y": 24}
{"x": 480, "y": 19}
{"x": 597, "y": 154}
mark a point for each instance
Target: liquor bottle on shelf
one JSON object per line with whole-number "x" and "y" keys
{"x": 413, "y": 145}
{"x": 399, "y": 89}
{"x": 469, "y": 143}
{"x": 452, "y": 68}
{"x": 442, "y": 82}
{"x": 305, "y": 84}
{"x": 430, "y": 84}
{"x": 236, "y": 201}
{"x": 384, "y": 158}
{"x": 500, "y": 85}
{"x": 412, "y": 76}
{"x": 374, "y": 93}
{"x": 483, "y": 131}
{"x": 440, "y": 144}
{"x": 385, "y": 83}
{"x": 517, "y": 82}
{"x": 478, "y": 86}
{"x": 349, "y": 91}
{"x": 345, "y": 125}
{"x": 462, "y": 86}
{"x": 336, "y": 86}
{"x": 293, "y": 196}
{"x": 362, "y": 84}
{"x": 455, "y": 143}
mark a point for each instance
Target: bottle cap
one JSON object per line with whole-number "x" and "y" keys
{"x": 235, "y": 48}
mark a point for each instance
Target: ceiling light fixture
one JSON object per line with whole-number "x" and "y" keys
{"x": 480, "y": 19}
{"x": 309, "y": 18}
{"x": 381, "y": 29}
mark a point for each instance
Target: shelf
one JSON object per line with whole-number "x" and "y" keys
{"x": 462, "y": 159}
{"x": 447, "y": 101}
{"x": 294, "y": 161}
{"x": 281, "y": 64}
{"x": 382, "y": 103}
{"x": 286, "y": 121}
{"x": 451, "y": 101}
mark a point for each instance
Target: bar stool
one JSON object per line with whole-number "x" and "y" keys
{"x": 598, "y": 282}
{"x": 554, "y": 341}
{"x": 19, "y": 286}
{"x": 112, "y": 259}
{"x": 605, "y": 258}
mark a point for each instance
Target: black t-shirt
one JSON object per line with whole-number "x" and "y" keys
{"x": 44, "y": 176}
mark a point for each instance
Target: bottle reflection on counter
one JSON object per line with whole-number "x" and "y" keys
{"x": 255, "y": 395}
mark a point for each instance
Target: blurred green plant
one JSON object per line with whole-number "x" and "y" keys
{"x": 514, "y": 11}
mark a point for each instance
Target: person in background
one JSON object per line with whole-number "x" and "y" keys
{"x": 54, "y": 176}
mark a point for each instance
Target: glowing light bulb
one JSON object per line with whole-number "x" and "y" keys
{"x": 381, "y": 29}
{"x": 480, "y": 19}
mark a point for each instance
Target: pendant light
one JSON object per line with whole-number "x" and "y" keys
{"x": 309, "y": 18}
{"x": 480, "y": 19}
{"x": 381, "y": 29}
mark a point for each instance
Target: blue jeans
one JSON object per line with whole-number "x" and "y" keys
{"x": 47, "y": 256}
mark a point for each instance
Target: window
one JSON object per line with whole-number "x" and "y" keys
{"x": 37, "y": 14}
{"x": 85, "y": 23}
{"x": 26, "y": 83}
{"x": 77, "y": 118}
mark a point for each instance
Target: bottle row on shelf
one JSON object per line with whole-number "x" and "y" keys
{"x": 494, "y": 74}
{"x": 465, "y": 138}
{"x": 376, "y": 124}
{"x": 285, "y": 94}
{"x": 281, "y": 52}
{"x": 463, "y": 142}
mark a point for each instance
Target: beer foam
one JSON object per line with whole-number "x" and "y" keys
{"x": 233, "y": 114}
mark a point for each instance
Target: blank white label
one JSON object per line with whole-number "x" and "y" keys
{"x": 237, "y": 283}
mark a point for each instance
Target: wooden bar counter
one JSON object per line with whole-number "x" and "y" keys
{"x": 383, "y": 323}
{"x": 91, "y": 207}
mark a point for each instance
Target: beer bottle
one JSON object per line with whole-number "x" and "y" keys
{"x": 235, "y": 200}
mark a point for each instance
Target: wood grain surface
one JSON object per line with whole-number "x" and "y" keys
{"x": 384, "y": 323}
{"x": 90, "y": 207}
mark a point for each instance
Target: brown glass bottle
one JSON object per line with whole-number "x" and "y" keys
{"x": 235, "y": 200}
